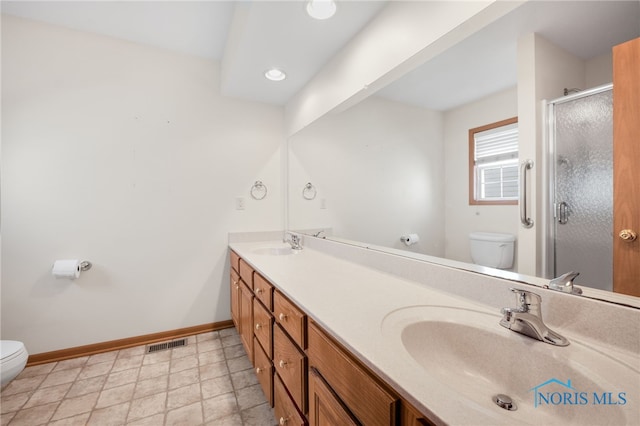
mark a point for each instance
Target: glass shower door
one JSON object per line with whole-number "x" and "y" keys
{"x": 583, "y": 161}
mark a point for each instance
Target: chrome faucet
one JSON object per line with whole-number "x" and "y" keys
{"x": 295, "y": 240}
{"x": 526, "y": 319}
{"x": 564, "y": 283}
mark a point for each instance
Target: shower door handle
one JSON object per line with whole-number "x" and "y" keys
{"x": 563, "y": 213}
{"x": 527, "y": 222}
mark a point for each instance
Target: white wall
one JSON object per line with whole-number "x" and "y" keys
{"x": 126, "y": 156}
{"x": 462, "y": 218}
{"x": 379, "y": 167}
{"x": 599, "y": 70}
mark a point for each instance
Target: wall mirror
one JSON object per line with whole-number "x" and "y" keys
{"x": 396, "y": 163}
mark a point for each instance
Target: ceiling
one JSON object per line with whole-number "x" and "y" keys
{"x": 248, "y": 37}
{"x": 486, "y": 62}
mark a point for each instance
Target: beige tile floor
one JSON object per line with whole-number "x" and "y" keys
{"x": 208, "y": 382}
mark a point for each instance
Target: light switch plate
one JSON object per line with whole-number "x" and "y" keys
{"x": 240, "y": 203}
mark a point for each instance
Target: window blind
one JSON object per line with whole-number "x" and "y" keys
{"x": 496, "y": 144}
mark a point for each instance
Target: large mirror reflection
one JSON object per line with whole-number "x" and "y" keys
{"x": 394, "y": 170}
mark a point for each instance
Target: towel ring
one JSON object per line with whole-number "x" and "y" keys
{"x": 258, "y": 190}
{"x": 309, "y": 191}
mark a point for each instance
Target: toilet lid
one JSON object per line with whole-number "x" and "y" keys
{"x": 10, "y": 347}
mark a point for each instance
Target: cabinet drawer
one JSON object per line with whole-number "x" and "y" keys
{"x": 235, "y": 278}
{"x": 291, "y": 365}
{"x": 290, "y": 318}
{"x": 284, "y": 409}
{"x": 235, "y": 260}
{"x": 264, "y": 371}
{"x": 371, "y": 403}
{"x": 262, "y": 326}
{"x": 246, "y": 273}
{"x": 263, "y": 290}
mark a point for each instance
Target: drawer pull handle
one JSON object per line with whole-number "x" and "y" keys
{"x": 282, "y": 317}
{"x": 258, "y": 370}
{"x": 283, "y": 363}
{"x": 259, "y": 291}
{"x": 283, "y": 421}
{"x": 258, "y": 326}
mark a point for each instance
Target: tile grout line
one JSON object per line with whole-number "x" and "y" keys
{"x": 200, "y": 383}
{"x": 133, "y": 393}
{"x": 233, "y": 386}
{"x": 76, "y": 381}
{"x": 106, "y": 378}
{"x": 217, "y": 346}
{"x": 226, "y": 366}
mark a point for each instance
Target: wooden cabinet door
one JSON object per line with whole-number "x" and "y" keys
{"x": 291, "y": 365}
{"x": 409, "y": 416}
{"x": 370, "y": 402}
{"x": 235, "y": 299}
{"x": 264, "y": 370}
{"x": 283, "y": 407}
{"x": 626, "y": 167}
{"x": 325, "y": 409}
{"x": 246, "y": 319}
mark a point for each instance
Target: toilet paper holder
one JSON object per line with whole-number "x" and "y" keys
{"x": 69, "y": 268}
{"x": 410, "y": 239}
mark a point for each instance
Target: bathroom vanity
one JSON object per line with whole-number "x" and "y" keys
{"x": 343, "y": 335}
{"x": 303, "y": 371}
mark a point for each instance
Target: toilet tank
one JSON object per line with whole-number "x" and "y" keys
{"x": 492, "y": 249}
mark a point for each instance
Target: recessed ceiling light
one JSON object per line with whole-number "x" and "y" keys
{"x": 321, "y": 9}
{"x": 274, "y": 74}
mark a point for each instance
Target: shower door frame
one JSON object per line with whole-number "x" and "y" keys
{"x": 550, "y": 176}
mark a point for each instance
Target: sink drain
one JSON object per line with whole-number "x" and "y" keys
{"x": 503, "y": 401}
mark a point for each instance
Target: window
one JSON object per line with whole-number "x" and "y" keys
{"x": 493, "y": 163}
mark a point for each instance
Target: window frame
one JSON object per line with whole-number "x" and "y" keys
{"x": 472, "y": 164}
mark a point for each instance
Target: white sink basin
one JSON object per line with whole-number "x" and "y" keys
{"x": 273, "y": 250}
{"x": 468, "y": 354}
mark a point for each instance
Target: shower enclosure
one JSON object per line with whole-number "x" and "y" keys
{"x": 581, "y": 187}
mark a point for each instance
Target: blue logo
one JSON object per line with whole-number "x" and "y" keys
{"x": 557, "y": 392}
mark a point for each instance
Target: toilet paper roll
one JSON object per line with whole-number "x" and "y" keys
{"x": 66, "y": 268}
{"x": 410, "y": 239}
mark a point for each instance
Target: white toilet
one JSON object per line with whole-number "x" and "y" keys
{"x": 14, "y": 358}
{"x": 492, "y": 249}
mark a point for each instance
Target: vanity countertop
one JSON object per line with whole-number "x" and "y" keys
{"x": 351, "y": 302}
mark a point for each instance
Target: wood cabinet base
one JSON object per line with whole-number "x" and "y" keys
{"x": 284, "y": 408}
